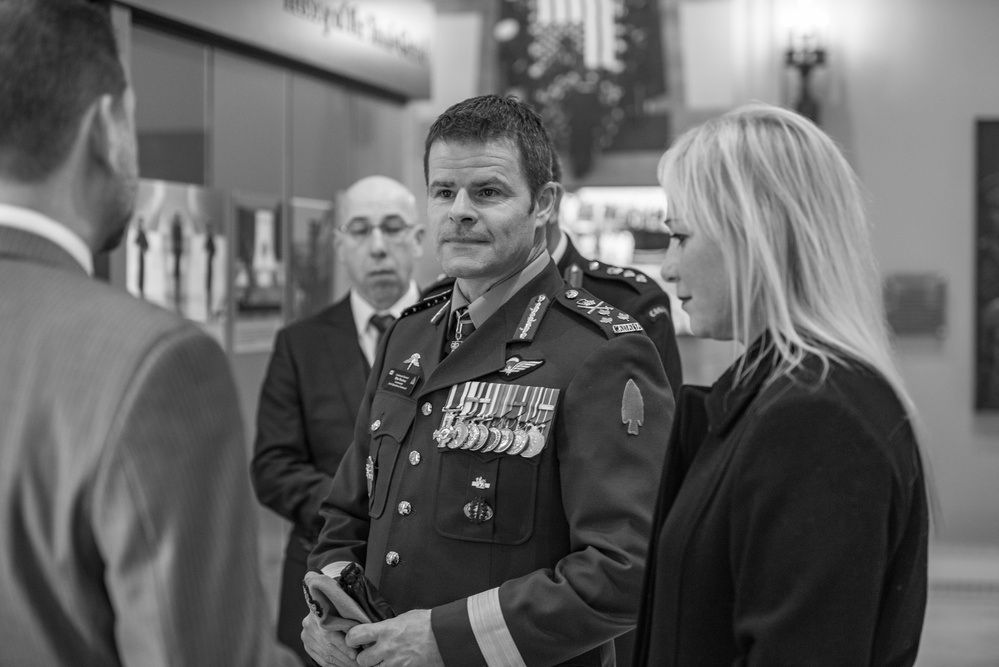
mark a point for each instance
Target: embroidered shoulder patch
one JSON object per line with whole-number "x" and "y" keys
{"x": 611, "y": 320}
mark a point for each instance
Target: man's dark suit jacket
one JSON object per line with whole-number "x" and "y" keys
{"x": 305, "y": 423}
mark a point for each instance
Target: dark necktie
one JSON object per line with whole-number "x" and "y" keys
{"x": 460, "y": 329}
{"x": 381, "y": 323}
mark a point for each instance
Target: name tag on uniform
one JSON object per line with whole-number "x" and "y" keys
{"x": 401, "y": 381}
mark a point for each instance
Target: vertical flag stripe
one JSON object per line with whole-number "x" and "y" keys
{"x": 598, "y": 20}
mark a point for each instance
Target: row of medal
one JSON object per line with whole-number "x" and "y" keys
{"x": 493, "y": 417}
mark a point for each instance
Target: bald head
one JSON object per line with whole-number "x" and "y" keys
{"x": 379, "y": 238}
{"x": 380, "y": 194}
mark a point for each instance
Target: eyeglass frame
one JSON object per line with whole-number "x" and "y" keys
{"x": 397, "y": 236}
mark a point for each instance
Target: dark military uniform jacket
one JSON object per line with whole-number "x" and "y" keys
{"x": 628, "y": 289}
{"x": 636, "y": 294}
{"x": 527, "y": 539}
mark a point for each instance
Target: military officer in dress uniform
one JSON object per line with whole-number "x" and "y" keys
{"x": 510, "y": 440}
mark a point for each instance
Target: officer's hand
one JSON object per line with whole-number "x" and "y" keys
{"x": 404, "y": 641}
{"x": 326, "y": 642}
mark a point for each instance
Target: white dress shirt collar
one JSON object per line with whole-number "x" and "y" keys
{"x": 367, "y": 335}
{"x": 33, "y": 222}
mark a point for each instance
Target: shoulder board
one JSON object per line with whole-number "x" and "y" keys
{"x": 634, "y": 278}
{"x": 443, "y": 283}
{"x": 610, "y": 320}
{"x": 429, "y": 302}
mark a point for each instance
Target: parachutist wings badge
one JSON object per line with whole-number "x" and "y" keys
{"x": 516, "y": 366}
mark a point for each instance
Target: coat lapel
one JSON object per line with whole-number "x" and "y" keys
{"x": 486, "y": 351}
{"x": 350, "y": 366}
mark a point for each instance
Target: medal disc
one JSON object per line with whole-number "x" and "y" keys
{"x": 536, "y": 442}
{"x": 519, "y": 441}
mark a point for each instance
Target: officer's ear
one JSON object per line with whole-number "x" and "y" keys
{"x": 546, "y": 203}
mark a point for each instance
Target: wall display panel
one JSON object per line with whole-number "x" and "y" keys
{"x": 170, "y": 78}
{"x": 987, "y": 267}
{"x": 310, "y": 260}
{"x": 321, "y": 135}
{"x": 176, "y": 253}
{"x": 249, "y": 124}
{"x": 258, "y": 271}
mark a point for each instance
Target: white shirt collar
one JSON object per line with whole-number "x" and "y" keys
{"x": 364, "y": 310}
{"x": 33, "y": 222}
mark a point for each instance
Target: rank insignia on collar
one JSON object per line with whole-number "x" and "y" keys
{"x": 531, "y": 320}
{"x": 413, "y": 360}
{"x": 516, "y": 366}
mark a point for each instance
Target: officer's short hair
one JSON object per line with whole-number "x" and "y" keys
{"x": 56, "y": 58}
{"x": 489, "y": 118}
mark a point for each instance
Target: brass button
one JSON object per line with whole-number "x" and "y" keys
{"x": 427, "y": 409}
{"x": 414, "y": 458}
{"x": 405, "y": 508}
{"x": 375, "y": 425}
{"x": 392, "y": 558}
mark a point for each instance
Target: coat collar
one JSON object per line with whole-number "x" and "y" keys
{"x": 32, "y": 247}
{"x": 485, "y": 351}
{"x": 727, "y": 401}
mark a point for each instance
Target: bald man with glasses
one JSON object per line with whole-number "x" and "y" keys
{"x": 314, "y": 384}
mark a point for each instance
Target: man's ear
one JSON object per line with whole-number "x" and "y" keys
{"x": 548, "y": 197}
{"x": 418, "y": 233}
{"x": 101, "y": 125}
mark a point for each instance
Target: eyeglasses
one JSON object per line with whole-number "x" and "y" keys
{"x": 393, "y": 228}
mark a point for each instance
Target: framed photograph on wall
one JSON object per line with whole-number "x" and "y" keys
{"x": 176, "y": 252}
{"x": 258, "y": 271}
{"x": 987, "y": 265}
{"x": 310, "y": 257}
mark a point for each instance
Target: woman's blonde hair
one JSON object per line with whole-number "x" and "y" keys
{"x": 786, "y": 208}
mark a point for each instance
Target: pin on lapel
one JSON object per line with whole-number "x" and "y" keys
{"x": 414, "y": 360}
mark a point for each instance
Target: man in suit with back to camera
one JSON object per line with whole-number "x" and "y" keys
{"x": 499, "y": 486}
{"x": 315, "y": 381}
{"x": 124, "y": 533}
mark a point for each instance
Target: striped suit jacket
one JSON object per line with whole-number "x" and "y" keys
{"x": 127, "y": 535}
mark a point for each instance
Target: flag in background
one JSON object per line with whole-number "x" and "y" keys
{"x": 594, "y": 20}
{"x": 593, "y": 68}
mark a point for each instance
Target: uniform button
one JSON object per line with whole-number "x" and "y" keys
{"x": 414, "y": 458}
{"x": 571, "y": 294}
{"x": 375, "y": 425}
{"x": 427, "y": 409}
{"x": 405, "y": 508}
{"x": 392, "y": 558}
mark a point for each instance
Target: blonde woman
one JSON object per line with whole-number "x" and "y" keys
{"x": 792, "y": 522}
